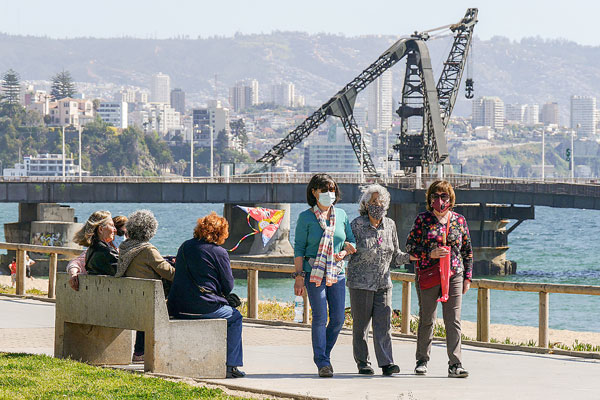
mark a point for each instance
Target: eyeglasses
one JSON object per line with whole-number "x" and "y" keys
{"x": 441, "y": 196}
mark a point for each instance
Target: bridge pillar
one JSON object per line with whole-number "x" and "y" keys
{"x": 278, "y": 247}
{"x": 487, "y": 226}
{"x": 47, "y": 224}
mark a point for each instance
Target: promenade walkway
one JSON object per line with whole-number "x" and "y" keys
{"x": 280, "y": 359}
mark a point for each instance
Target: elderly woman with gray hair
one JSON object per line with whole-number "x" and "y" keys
{"x": 369, "y": 282}
{"x": 140, "y": 259}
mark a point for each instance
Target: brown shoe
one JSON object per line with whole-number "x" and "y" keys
{"x": 326, "y": 371}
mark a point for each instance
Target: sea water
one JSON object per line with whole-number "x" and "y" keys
{"x": 559, "y": 246}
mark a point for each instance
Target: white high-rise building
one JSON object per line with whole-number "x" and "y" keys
{"x": 583, "y": 115}
{"x": 160, "y": 89}
{"x": 114, "y": 113}
{"x": 531, "y": 114}
{"x": 242, "y": 95}
{"x": 488, "y": 111}
{"x": 380, "y": 102}
{"x": 283, "y": 94}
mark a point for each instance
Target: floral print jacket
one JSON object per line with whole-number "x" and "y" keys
{"x": 427, "y": 234}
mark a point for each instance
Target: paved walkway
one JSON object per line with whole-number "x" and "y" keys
{"x": 280, "y": 359}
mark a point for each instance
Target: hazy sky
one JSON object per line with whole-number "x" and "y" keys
{"x": 574, "y": 20}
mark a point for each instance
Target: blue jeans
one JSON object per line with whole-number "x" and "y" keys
{"x": 234, "y": 332}
{"x": 320, "y": 297}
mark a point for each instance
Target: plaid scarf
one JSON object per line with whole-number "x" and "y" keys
{"x": 324, "y": 263}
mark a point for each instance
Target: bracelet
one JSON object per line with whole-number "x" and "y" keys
{"x": 297, "y": 274}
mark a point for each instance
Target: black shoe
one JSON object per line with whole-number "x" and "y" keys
{"x": 391, "y": 369}
{"x": 326, "y": 371}
{"x": 421, "y": 368}
{"x": 234, "y": 372}
{"x": 457, "y": 371}
{"x": 365, "y": 369}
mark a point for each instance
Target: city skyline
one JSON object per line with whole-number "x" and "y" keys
{"x": 512, "y": 19}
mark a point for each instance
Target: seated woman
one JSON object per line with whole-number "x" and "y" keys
{"x": 202, "y": 280}
{"x": 140, "y": 259}
{"x": 97, "y": 234}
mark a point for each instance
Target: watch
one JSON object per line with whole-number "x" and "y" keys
{"x": 297, "y": 274}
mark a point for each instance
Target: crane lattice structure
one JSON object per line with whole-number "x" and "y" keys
{"x": 420, "y": 87}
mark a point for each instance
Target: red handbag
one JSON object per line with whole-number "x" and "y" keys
{"x": 431, "y": 276}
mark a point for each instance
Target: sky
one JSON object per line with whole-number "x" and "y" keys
{"x": 574, "y": 20}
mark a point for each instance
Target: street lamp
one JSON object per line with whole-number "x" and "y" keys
{"x": 80, "y": 153}
{"x": 543, "y": 154}
{"x": 63, "y": 153}
{"x": 192, "y": 153}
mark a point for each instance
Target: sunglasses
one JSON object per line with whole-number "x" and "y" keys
{"x": 441, "y": 196}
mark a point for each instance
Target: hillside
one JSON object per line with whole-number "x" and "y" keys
{"x": 532, "y": 70}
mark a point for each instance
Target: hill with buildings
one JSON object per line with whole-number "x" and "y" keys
{"x": 532, "y": 70}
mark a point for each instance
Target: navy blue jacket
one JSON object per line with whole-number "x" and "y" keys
{"x": 208, "y": 265}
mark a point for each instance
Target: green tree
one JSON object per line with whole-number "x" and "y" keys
{"x": 238, "y": 130}
{"x": 11, "y": 87}
{"x": 62, "y": 86}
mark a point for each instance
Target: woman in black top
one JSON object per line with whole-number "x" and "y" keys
{"x": 97, "y": 234}
{"x": 203, "y": 278}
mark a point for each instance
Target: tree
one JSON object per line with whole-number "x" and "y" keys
{"x": 11, "y": 87}
{"x": 62, "y": 86}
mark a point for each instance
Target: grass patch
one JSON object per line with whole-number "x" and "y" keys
{"x": 4, "y": 289}
{"x": 278, "y": 311}
{"x": 26, "y": 376}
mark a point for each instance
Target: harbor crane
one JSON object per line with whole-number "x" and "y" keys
{"x": 421, "y": 98}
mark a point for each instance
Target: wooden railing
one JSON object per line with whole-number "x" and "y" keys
{"x": 252, "y": 269}
{"x": 483, "y": 287}
{"x": 21, "y": 249}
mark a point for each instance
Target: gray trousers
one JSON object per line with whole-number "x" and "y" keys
{"x": 451, "y": 311}
{"x": 367, "y": 305}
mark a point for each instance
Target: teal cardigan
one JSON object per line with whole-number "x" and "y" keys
{"x": 309, "y": 233}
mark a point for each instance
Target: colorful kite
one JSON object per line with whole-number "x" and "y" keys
{"x": 268, "y": 222}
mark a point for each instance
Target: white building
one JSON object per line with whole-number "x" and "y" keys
{"x": 283, "y": 94}
{"x": 488, "y": 111}
{"x": 160, "y": 89}
{"x": 69, "y": 111}
{"x": 45, "y": 165}
{"x": 214, "y": 118}
{"x": 157, "y": 117}
{"x": 531, "y": 114}
{"x": 583, "y": 115}
{"x": 380, "y": 102}
{"x": 114, "y": 113}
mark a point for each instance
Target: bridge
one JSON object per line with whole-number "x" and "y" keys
{"x": 291, "y": 188}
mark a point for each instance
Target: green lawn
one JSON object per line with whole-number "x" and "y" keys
{"x": 26, "y": 376}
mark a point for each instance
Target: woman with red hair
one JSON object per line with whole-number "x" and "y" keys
{"x": 203, "y": 278}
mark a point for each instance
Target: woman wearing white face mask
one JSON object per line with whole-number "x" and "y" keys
{"x": 323, "y": 239}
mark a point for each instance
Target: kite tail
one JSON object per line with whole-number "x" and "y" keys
{"x": 250, "y": 234}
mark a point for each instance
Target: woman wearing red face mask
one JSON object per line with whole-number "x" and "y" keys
{"x": 426, "y": 242}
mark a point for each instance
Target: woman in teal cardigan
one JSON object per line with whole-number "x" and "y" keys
{"x": 323, "y": 239}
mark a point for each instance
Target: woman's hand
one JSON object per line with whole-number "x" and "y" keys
{"x": 299, "y": 286}
{"x": 466, "y": 286}
{"x": 74, "y": 281}
{"x": 438, "y": 252}
{"x": 340, "y": 256}
{"x": 349, "y": 248}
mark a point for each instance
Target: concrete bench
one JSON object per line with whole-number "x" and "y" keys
{"x": 96, "y": 323}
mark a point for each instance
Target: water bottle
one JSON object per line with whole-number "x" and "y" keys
{"x": 298, "y": 309}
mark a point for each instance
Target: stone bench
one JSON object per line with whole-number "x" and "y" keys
{"x": 96, "y": 324}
